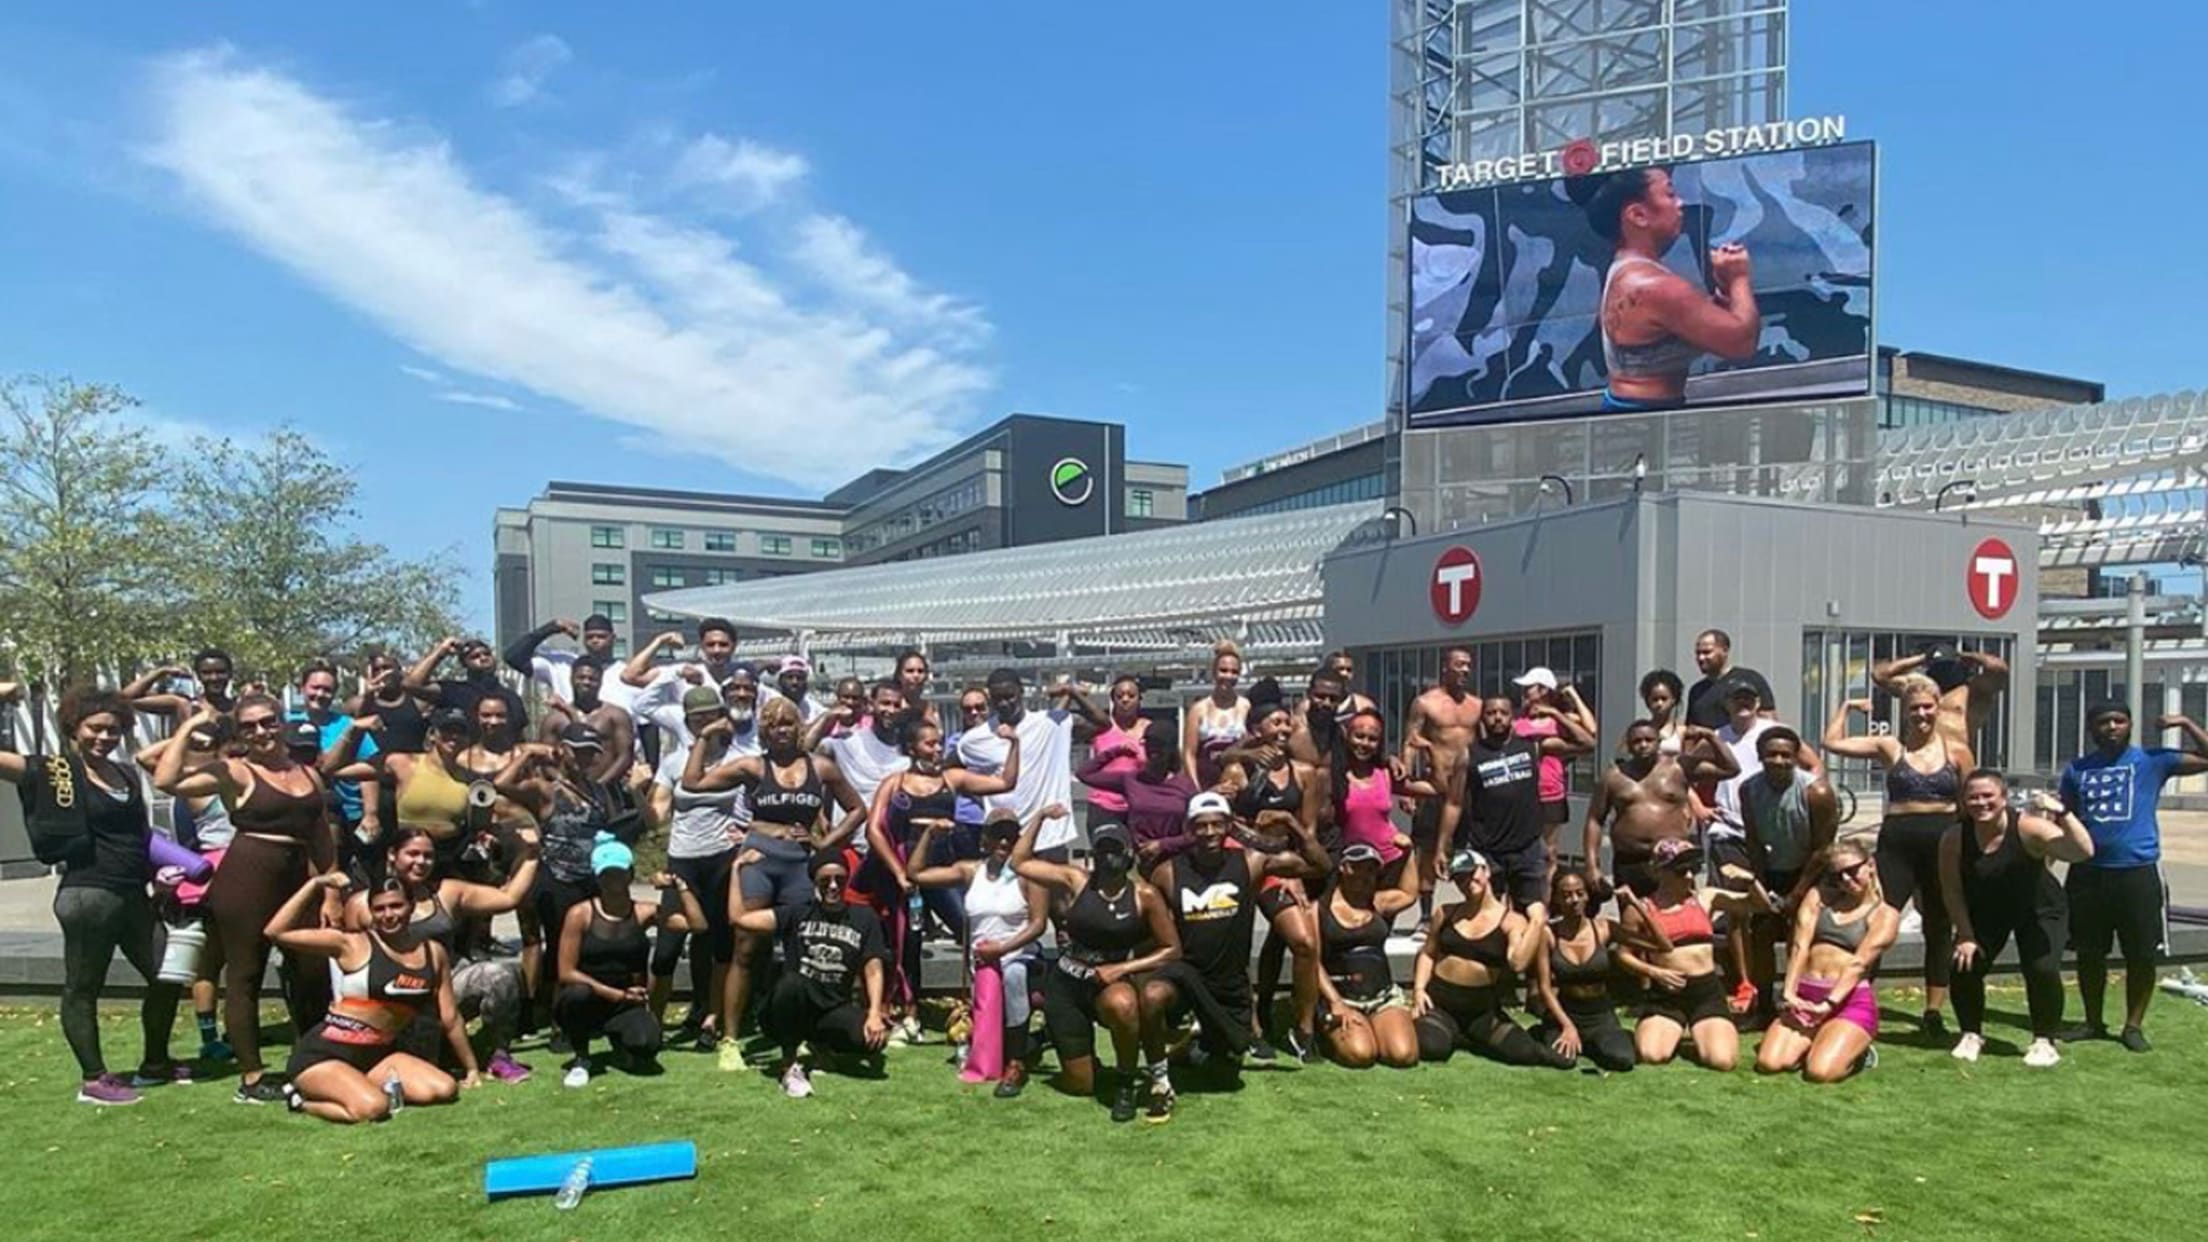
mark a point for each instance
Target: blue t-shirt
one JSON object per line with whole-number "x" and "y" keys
{"x": 2118, "y": 796}
{"x": 347, "y": 793}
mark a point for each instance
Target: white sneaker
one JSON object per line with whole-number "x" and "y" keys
{"x": 908, "y": 1032}
{"x": 1969, "y": 1046}
{"x": 2042, "y": 1054}
{"x": 796, "y": 1083}
{"x": 578, "y": 1075}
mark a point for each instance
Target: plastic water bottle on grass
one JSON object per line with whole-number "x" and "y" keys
{"x": 573, "y": 1185}
{"x": 394, "y": 1092}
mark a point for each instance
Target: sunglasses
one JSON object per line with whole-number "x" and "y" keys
{"x": 1850, "y": 872}
{"x": 973, "y": 709}
{"x": 263, "y": 724}
{"x": 828, "y": 883}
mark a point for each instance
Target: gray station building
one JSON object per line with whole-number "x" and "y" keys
{"x": 1812, "y": 596}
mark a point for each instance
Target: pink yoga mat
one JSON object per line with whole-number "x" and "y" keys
{"x": 985, "y": 1054}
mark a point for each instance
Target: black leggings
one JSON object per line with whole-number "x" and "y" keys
{"x": 2039, "y": 939}
{"x": 95, "y": 924}
{"x": 710, "y": 946}
{"x": 1602, "y": 1039}
{"x": 795, "y": 1015}
{"x": 255, "y": 879}
{"x": 1909, "y": 866}
{"x": 1473, "y": 1018}
{"x": 584, "y": 1015}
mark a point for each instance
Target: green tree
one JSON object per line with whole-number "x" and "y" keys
{"x": 81, "y": 583}
{"x": 267, "y": 569}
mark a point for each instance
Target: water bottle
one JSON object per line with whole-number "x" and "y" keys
{"x": 394, "y": 1092}
{"x": 573, "y": 1185}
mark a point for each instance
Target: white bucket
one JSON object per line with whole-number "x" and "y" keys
{"x": 180, "y": 960}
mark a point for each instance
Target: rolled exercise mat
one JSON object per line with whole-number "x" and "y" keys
{"x": 609, "y": 1166}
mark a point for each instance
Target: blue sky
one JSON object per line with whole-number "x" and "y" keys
{"x": 472, "y": 247}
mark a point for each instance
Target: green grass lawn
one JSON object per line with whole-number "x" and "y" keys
{"x": 2108, "y": 1145}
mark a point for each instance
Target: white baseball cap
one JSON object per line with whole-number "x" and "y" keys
{"x": 1538, "y": 675}
{"x": 1209, "y": 803}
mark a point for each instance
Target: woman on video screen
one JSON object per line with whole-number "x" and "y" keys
{"x": 1656, "y": 323}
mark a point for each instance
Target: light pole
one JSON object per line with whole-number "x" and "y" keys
{"x": 1968, "y": 485}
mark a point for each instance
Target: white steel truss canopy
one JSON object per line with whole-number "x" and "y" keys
{"x": 1156, "y": 587}
{"x": 2044, "y": 456}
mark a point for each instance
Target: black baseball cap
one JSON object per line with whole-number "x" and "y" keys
{"x": 582, "y": 737}
{"x": 1113, "y": 835}
{"x": 597, "y": 623}
{"x": 302, "y": 735}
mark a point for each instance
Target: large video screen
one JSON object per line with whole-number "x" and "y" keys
{"x": 1715, "y": 282}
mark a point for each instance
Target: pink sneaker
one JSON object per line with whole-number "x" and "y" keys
{"x": 505, "y": 1068}
{"x": 106, "y": 1090}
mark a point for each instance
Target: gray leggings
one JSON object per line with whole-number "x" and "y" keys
{"x": 95, "y": 922}
{"x": 1017, "y": 1006}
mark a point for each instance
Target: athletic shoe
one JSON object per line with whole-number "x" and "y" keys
{"x": 1933, "y": 1025}
{"x": 215, "y": 1050}
{"x": 505, "y": 1068}
{"x": 2042, "y": 1054}
{"x": 729, "y": 1057}
{"x": 1969, "y": 1046}
{"x": 146, "y": 1076}
{"x": 1263, "y": 1050}
{"x": 709, "y": 1040}
{"x": 107, "y": 1091}
{"x": 558, "y": 1045}
{"x": 577, "y": 1075}
{"x": 906, "y": 1033}
{"x": 2134, "y": 1040}
{"x": 1013, "y": 1081}
{"x": 1123, "y": 1104}
{"x": 293, "y": 1101}
{"x": 1159, "y": 1109}
{"x": 1302, "y": 1047}
{"x": 260, "y": 1091}
{"x": 2081, "y": 1032}
{"x": 1869, "y": 1061}
{"x": 796, "y": 1083}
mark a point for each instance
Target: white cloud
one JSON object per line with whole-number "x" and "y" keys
{"x": 750, "y": 174}
{"x": 423, "y": 374}
{"x": 488, "y": 400}
{"x": 647, "y": 320}
{"x": 523, "y": 71}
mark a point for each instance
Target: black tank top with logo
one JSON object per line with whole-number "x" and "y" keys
{"x": 1215, "y": 914}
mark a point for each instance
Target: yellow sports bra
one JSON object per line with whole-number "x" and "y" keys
{"x": 432, "y": 799}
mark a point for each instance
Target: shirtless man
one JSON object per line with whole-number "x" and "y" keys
{"x": 1343, "y": 665}
{"x": 1969, "y": 681}
{"x": 586, "y": 676}
{"x": 1324, "y": 702}
{"x": 1643, "y": 800}
{"x": 1440, "y": 726}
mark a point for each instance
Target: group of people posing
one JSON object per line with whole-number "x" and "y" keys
{"x": 812, "y": 845}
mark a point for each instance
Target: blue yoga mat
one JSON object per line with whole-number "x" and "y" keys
{"x": 609, "y": 1166}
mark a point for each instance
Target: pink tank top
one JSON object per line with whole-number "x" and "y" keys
{"x": 1366, "y": 815}
{"x": 1550, "y": 775}
{"x": 1126, "y": 766}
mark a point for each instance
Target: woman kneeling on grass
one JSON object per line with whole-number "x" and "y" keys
{"x": 1005, "y": 916}
{"x": 1465, "y": 970}
{"x": 1830, "y": 1014}
{"x": 345, "y": 1069}
{"x": 1668, "y": 940}
{"x": 1572, "y": 977}
{"x": 1364, "y": 1015}
{"x": 1116, "y": 927}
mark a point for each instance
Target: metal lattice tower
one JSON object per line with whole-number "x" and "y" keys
{"x": 1482, "y": 79}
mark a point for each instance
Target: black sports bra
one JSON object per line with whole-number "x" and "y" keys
{"x": 1491, "y": 950}
{"x": 1907, "y": 784}
{"x": 1567, "y": 973}
{"x": 1261, "y": 795}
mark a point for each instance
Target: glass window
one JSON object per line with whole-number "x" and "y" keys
{"x": 605, "y": 573}
{"x": 666, "y": 538}
{"x": 611, "y": 609}
{"x": 606, "y": 537}
{"x": 774, "y": 545}
{"x": 720, "y": 541}
{"x": 620, "y": 648}
{"x": 668, "y": 576}
{"x": 1140, "y": 501}
{"x": 720, "y": 576}
{"x": 827, "y": 547}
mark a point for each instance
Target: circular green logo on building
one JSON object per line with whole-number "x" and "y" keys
{"x": 1071, "y": 482}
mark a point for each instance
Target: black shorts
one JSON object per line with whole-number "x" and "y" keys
{"x": 708, "y": 878}
{"x": 1069, "y": 1013}
{"x": 780, "y": 876}
{"x": 1728, "y": 851}
{"x": 1274, "y": 897}
{"x": 2118, "y": 905}
{"x": 1554, "y": 813}
{"x": 1640, "y": 876}
{"x": 1702, "y": 998}
{"x": 1523, "y": 874}
{"x": 1426, "y": 825}
{"x": 315, "y": 1047}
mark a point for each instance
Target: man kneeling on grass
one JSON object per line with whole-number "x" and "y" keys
{"x": 827, "y": 945}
